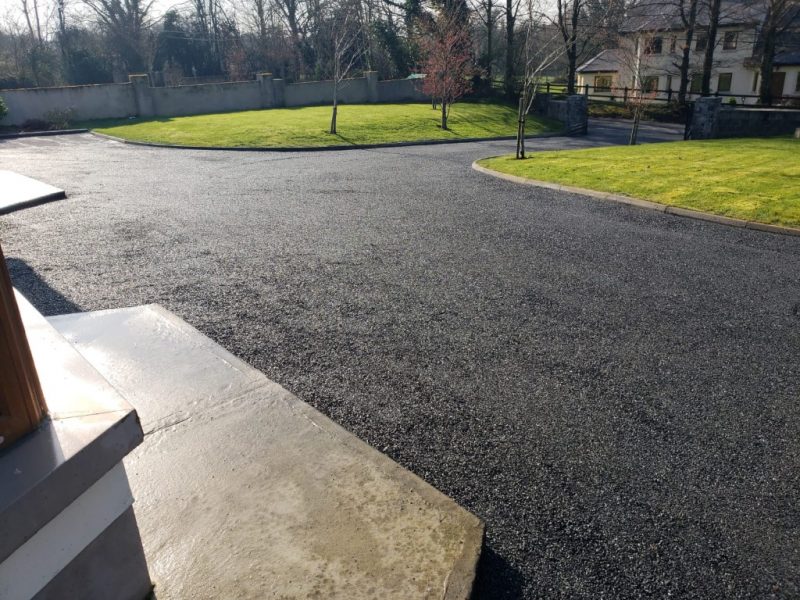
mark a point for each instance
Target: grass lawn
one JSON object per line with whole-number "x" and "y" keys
{"x": 308, "y": 126}
{"x": 756, "y": 179}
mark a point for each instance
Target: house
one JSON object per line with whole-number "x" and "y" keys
{"x": 650, "y": 51}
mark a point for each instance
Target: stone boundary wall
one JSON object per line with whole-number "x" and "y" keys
{"x": 711, "y": 120}
{"x": 139, "y": 99}
{"x": 573, "y": 111}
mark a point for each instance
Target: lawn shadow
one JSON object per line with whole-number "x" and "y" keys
{"x": 38, "y": 292}
{"x": 496, "y": 579}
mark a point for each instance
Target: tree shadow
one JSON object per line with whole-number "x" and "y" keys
{"x": 496, "y": 579}
{"x": 38, "y": 292}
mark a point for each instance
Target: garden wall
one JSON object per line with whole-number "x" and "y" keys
{"x": 710, "y": 120}
{"x": 573, "y": 111}
{"x": 88, "y": 102}
{"x": 138, "y": 98}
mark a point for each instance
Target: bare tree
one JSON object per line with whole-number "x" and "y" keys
{"x": 512, "y": 8}
{"x": 542, "y": 49}
{"x": 294, "y": 13}
{"x": 780, "y": 17}
{"x": 348, "y": 48}
{"x": 489, "y": 13}
{"x": 30, "y": 11}
{"x": 578, "y": 34}
{"x": 635, "y": 60}
{"x": 125, "y": 21}
{"x": 687, "y": 11}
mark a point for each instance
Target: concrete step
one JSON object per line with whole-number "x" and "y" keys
{"x": 244, "y": 491}
{"x": 18, "y": 192}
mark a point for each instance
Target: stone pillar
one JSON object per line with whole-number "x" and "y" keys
{"x": 577, "y": 121}
{"x": 267, "y": 87}
{"x": 540, "y": 102}
{"x": 372, "y": 86}
{"x": 145, "y": 106}
{"x": 705, "y": 118}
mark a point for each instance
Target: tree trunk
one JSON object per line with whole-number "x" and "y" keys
{"x": 637, "y": 116}
{"x": 711, "y": 44}
{"x": 686, "y": 55}
{"x": 509, "y": 75}
{"x": 521, "y": 128}
{"x": 572, "y": 48}
{"x": 767, "y": 64}
{"x": 444, "y": 115}
{"x": 489, "y": 32}
{"x": 333, "y": 114}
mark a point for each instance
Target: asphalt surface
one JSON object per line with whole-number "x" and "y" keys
{"x": 615, "y": 391}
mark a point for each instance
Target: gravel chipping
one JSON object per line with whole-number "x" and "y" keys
{"x": 615, "y": 391}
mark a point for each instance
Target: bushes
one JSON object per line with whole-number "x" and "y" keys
{"x": 54, "y": 119}
{"x": 667, "y": 113}
{"x": 60, "y": 119}
{"x": 35, "y": 125}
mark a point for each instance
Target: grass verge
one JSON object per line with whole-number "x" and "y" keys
{"x": 755, "y": 179}
{"x": 358, "y": 124}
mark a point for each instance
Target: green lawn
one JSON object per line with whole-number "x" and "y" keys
{"x": 308, "y": 126}
{"x": 752, "y": 179}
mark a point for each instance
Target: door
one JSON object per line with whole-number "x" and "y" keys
{"x": 776, "y": 85}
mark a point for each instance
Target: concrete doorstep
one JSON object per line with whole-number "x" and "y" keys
{"x": 18, "y": 192}
{"x": 243, "y": 491}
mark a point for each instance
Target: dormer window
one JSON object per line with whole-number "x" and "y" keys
{"x": 730, "y": 40}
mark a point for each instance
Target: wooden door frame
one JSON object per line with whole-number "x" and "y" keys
{"x": 22, "y": 405}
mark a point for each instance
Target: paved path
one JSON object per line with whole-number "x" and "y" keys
{"x": 615, "y": 391}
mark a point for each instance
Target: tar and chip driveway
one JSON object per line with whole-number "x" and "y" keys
{"x": 615, "y": 391}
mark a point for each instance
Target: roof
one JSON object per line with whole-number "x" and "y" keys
{"x": 787, "y": 58}
{"x": 664, "y": 15}
{"x": 607, "y": 60}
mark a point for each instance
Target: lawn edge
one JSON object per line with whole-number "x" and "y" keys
{"x": 640, "y": 203}
{"x": 27, "y": 134}
{"x": 326, "y": 148}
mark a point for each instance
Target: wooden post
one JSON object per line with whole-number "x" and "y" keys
{"x": 22, "y": 406}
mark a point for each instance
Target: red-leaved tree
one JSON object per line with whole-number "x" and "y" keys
{"x": 448, "y": 66}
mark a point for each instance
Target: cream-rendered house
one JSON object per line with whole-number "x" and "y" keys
{"x": 650, "y": 52}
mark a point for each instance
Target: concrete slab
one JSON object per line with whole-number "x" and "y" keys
{"x": 18, "y": 192}
{"x": 244, "y": 491}
{"x": 89, "y": 430}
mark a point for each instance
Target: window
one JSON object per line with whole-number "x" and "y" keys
{"x": 730, "y": 40}
{"x": 654, "y": 46}
{"x": 724, "y": 82}
{"x": 702, "y": 41}
{"x": 602, "y": 83}
{"x": 673, "y": 44}
{"x": 669, "y": 82}
{"x": 650, "y": 84}
{"x": 755, "y": 81}
{"x": 797, "y": 85}
{"x": 696, "y": 84}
